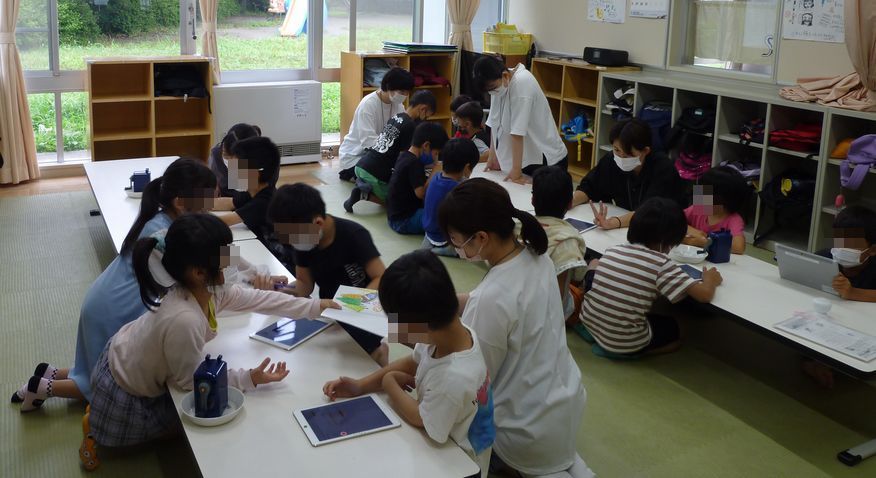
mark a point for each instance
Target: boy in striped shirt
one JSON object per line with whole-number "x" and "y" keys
{"x": 629, "y": 278}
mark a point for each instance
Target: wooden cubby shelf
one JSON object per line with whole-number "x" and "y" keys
{"x": 129, "y": 121}
{"x": 572, "y": 86}
{"x": 738, "y": 102}
{"x": 353, "y": 87}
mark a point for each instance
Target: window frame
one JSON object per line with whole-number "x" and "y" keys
{"x": 57, "y": 81}
{"x": 680, "y": 36}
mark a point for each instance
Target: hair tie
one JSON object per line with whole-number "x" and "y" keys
{"x": 159, "y": 236}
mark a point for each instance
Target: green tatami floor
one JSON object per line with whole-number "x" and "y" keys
{"x": 730, "y": 403}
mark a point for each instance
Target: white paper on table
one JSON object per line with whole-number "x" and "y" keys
{"x": 361, "y": 309}
{"x": 823, "y": 331}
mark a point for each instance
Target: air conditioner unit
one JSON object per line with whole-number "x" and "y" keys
{"x": 288, "y": 112}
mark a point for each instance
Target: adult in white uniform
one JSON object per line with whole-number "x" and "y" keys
{"x": 524, "y": 132}
{"x": 517, "y": 314}
{"x": 375, "y": 109}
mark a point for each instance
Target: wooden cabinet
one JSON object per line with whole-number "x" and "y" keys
{"x": 354, "y": 86}
{"x": 571, "y": 88}
{"x": 129, "y": 121}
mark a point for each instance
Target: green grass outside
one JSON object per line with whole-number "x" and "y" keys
{"x": 235, "y": 53}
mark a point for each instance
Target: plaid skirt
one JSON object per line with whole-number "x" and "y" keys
{"x": 118, "y": 418}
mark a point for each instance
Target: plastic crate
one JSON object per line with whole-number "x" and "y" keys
{"x": 507, "y": 43}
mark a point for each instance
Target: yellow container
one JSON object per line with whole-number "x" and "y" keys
{"x": 507, "y": 43}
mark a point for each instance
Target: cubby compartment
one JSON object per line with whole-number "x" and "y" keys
{"x": 580, "y": 85}
{"x": 555, "y": 105}
{"x": 122, "y": 149}
{"x": 178, "y": 117}
{"x": 769, "y": 232}
{"x": 569, "y": 110}
{"x": 648, "y": 93}
{"x": 443, "y": 97}
{"x": 120, "y": 81}
{"x": 580, "y": 158}
{"x": 124, "y": 120}
{"x": 197, "y": 147}
{"x": 550, "y": 77}
{"x": 848, "y": 125}
{"x": 826, "y": 209}
{"x": 442, "y": 64}
{"x": 734, "y": 113}
{"x": 783, "y": 118}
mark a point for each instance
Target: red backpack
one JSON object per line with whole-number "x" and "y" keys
{"x": 805, "y": 138}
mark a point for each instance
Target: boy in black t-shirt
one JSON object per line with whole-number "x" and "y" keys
{"x": 470, "y": 119}
{"x": 329, "y": 252}
{"x": 407, "y": 186}
{"x": 375, "y": 168}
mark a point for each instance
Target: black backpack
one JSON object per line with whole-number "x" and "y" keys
{"x": 658, "y": 115}
{"x": 698, "y": 121}
{"x": 790, "y": 195}
{"x": 180, "y": 80}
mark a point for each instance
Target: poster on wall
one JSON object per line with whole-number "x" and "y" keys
{"x": 610, "y": 11}
{"x": 814, "y": 20}
{"x": 649, "y": 8}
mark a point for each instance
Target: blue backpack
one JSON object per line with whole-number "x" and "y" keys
{"x": 658, "y": 115}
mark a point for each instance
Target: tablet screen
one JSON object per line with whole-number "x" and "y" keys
{"x": 340, "y": 419}
{"x": 580, "y": 225}
{"x": 693, "y": 271}
{"x": 290, "y": 332}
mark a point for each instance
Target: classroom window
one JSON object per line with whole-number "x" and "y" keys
{"x": 42, "y": 112}
{"x": 32, "y": 35}
{"x": 734, "y": 35}
{"x": 336, "y": 33}
{"x": 379, "y": 20}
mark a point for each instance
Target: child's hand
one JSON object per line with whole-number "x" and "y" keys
{"x": 493, "y": 164}
{"x": 601, "y": 219}
{"x": 268, "y": 282}
{"x": 712, "y": 277}
{"x": 593, "y": 264}
{"x": 264, "y": 374}
{"x": 328, "y": 304}
{"x": 842, "y": 286}
{"x": 406, "y": 381}
{"x": 344, "y": 387}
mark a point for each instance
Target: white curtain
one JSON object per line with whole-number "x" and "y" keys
{"x": 209, "y": 46}
{"x": 860, "y": 26}
{"x": 736, "y": 31}
{"x": 17, "y": 144}
{"x": 461, "y": 12}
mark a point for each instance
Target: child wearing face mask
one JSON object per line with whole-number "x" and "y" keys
{"x": 854, "y": 249}
{"x": 629, "y": 277}
{"x": 455, "y": 103}
{"x": 407, "y": 186}
{"x": 181, "y": 284}
{"x": 328, "y": 252}
{"x": 470, "y": 118}
{"x": 220, "y": 154}
{"x": 630, "y": 175}
{"x": 375, "y": 109}
{"x": 454, "y": 398}
{"x": 720, "y": 196}
{"x": 375, "y": 168}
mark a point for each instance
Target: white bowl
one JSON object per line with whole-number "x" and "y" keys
{"x": 688, "y": 254}
{"x": 132, "y": 194}
{"x": 235, "y": 405}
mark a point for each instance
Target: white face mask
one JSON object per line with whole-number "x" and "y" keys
{"x": 397, "y": 98}
{"x": 307, "y": 246}
{"x": 460, "y": 251}
{"x": 847, "y": 257}
{"x": 224, "y": 160}
{"x": 627, "y": 164}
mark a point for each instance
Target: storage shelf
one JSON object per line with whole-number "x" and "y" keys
{"x": 590, "y": 140}
{"x": 552, "y": 95}
{"x": 179, "y": 98}
{"x": 730, "y": 138}
{"x": 837, "y": 162}
{"x": 798, "y": 154}
{"x": 127, "y": 134}
{"x": 832, "y": 210}
{"x": 581, "y": 101}
{"x": 173, "y": 133}
{"x": 119, "y": 99}
{"x": 369, "y": 89}
{"x": 439, "y": 117}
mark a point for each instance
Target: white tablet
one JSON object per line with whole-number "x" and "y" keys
{"x": 289, "y": 333}
{"x": 351, "y": 418}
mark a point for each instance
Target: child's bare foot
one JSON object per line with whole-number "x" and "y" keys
{"x": 822, "y": 374}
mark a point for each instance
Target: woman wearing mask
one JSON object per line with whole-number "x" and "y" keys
{"x": 371, "y": 115}
{"x": 630, "y": 175}
{"x": 524, "y": 132}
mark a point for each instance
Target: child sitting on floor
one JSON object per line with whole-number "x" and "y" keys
{"x": 717, "y": 201}
{"x": 375, "y": 168}
{"x": 551, "y": 197}
{"x": 454, "y": 397}
{"x": 458, "y": 157}
{"x": 455, "y": 103}
{"x": 407, "y": 186}
{"x": 471, "y": 125}
{"x": 629, "y": 277}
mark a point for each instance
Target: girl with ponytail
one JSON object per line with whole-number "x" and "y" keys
{"x": 114, "y": 298}
{"x": 517, "y": 314}
{"x": 221, "y": 153}
{"x": 181, "y": 282}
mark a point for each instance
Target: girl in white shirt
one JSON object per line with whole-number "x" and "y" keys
{"x": 524, "y": 132}
{"x": 375, "y": 109}
{"x": 178, "y": 284}
{"x": 517, "y": 315}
